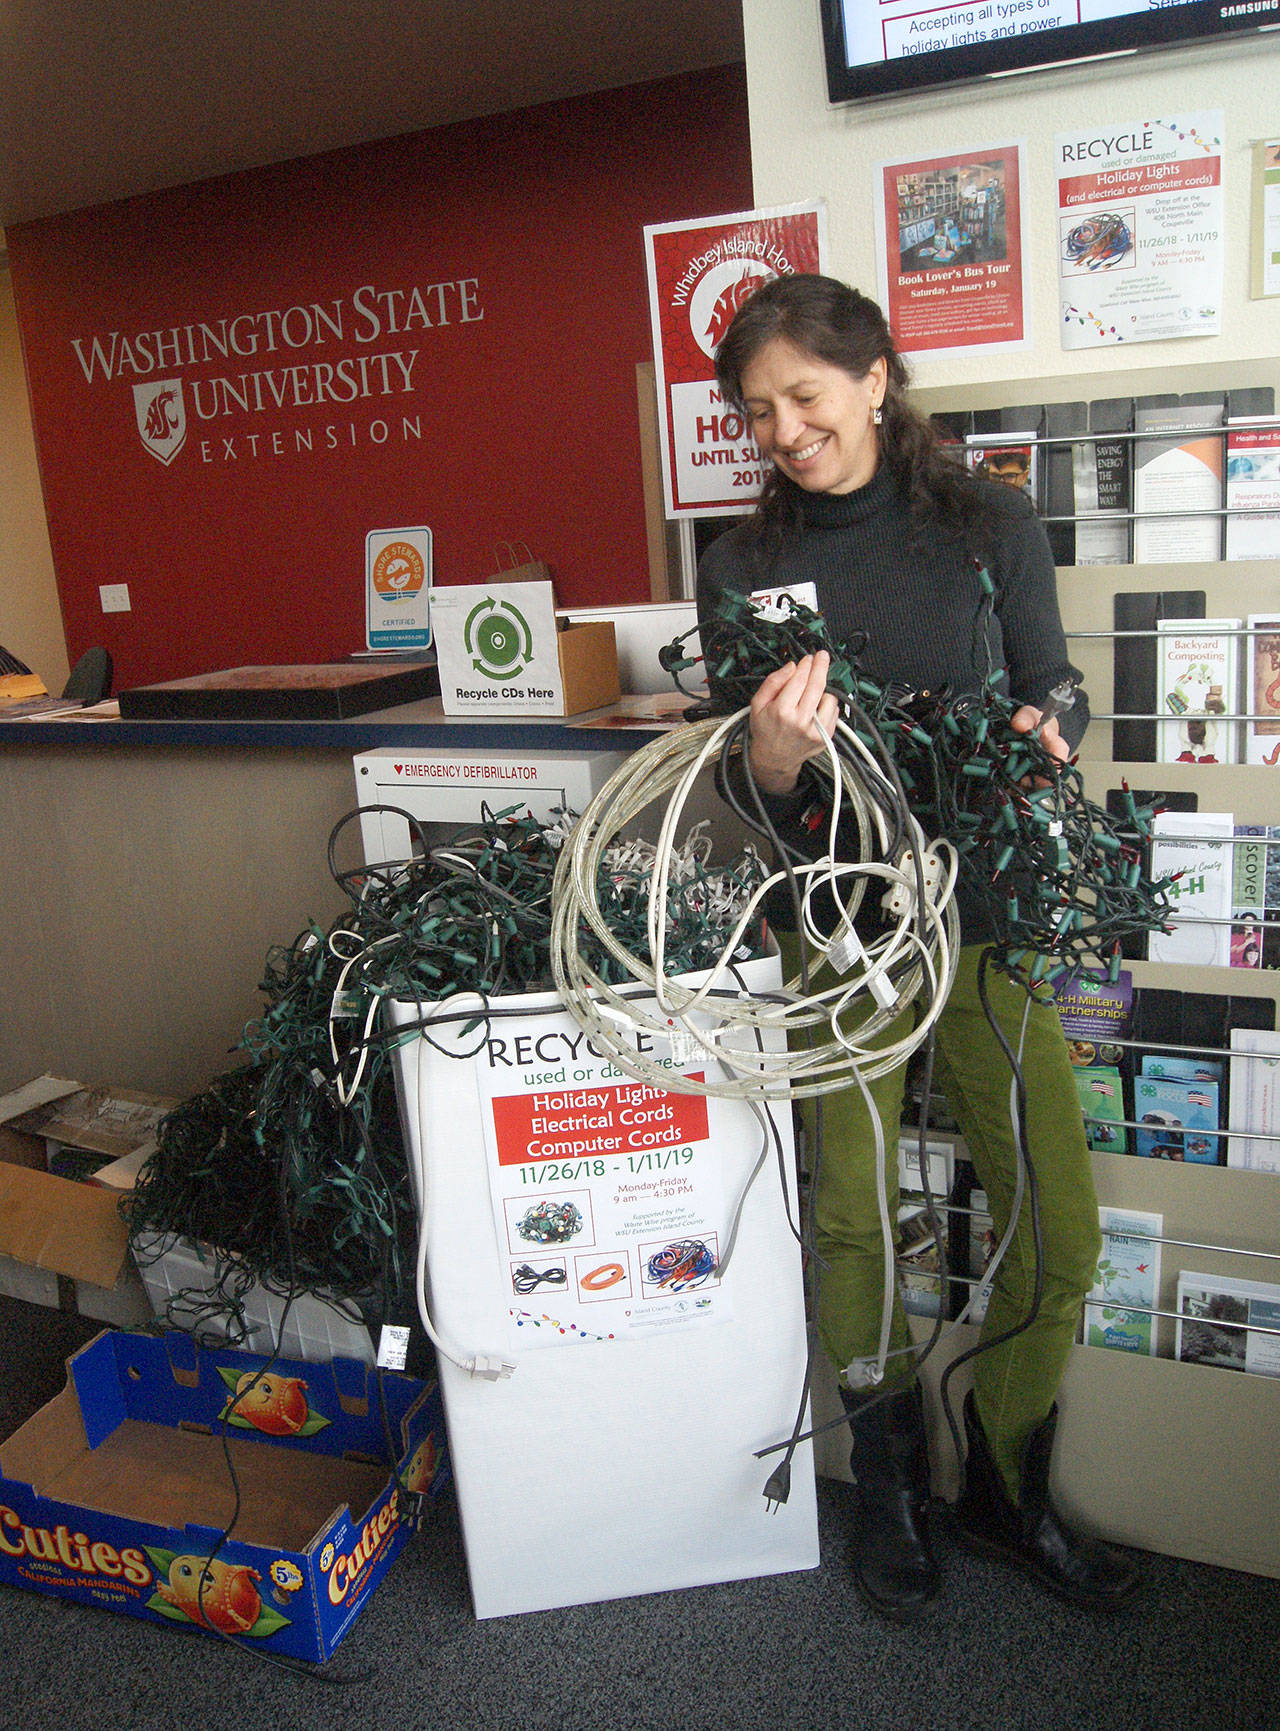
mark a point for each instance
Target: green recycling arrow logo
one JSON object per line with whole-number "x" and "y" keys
{"x": 498, "y": 639}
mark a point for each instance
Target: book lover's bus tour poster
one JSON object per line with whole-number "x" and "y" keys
{"x": 950, "y": 249}
{"x": 1140, "y": 220}
{"x": 699, "y": 274}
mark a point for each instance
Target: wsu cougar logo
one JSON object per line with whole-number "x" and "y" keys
{"x": 729, "y": 302}
{"x": 162, "y": 417}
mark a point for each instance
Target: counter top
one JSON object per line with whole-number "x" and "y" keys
{"x": 422, "y": 725}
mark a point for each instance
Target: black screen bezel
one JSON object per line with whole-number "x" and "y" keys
{"x": 1167, "y": 27}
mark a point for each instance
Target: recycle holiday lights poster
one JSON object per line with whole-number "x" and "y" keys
{"x": 1140, "y": 231}
{"x": 609, "y": 1195}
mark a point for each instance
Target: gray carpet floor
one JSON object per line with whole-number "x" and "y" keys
{"x": 1197, "y": 1652}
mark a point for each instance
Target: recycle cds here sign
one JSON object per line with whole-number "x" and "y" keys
{"x": 496, "y": 649}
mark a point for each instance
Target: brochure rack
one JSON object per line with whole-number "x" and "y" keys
{"x": 1172, "y": 1457}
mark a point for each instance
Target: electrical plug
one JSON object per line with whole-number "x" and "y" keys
{"x": 413, "y": 1506}
{"x": 899, "y": 900}
{"x": 864, "y": 1373}
{"x": 1061, "y": 698}
{"x": 933, "y": 870}
{"x": 490, "y": 1368}
{"x": 778, "y": 1485}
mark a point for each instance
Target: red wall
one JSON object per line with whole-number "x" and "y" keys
{"x": 248, "y": 547}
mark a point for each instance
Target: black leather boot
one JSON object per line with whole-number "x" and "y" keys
{"x": 1030, "y": 1533}
{"x": 893, "y": 1565}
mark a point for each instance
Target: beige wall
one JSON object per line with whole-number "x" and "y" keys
{"x": 30, "y": 620}
{"x": 141, "y": 889}
{"x": 803, "y": 148}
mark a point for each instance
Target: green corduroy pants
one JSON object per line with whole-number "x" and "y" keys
{"x": 1015, "y": 1383}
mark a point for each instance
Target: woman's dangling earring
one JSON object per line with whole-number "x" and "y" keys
{"x": 877, "y": 415}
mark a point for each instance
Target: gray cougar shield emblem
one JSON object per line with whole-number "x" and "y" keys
{"x": 162, "y": 417}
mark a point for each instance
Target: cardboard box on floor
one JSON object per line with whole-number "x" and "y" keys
{"x": 110, "y": 1124}
{"x": 117, "y": 1492}
{"x": 62, "y": 1242}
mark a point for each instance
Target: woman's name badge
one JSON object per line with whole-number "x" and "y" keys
{"x": 772, "y": 603}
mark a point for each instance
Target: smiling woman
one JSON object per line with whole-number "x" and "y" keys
{"x": 945, "y": 582}
{"x": 815, "y": 421}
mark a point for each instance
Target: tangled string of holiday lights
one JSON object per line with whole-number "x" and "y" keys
{"x": 1062, "y": 882}
{"x": 291, "y": 1167}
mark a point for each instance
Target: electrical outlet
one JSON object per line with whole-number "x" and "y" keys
{"x": 115, "y": 597}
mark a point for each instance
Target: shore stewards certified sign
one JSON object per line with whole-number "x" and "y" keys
{"x": 496, "y": 649}
{"x": 397, "y": 588}
{"x": 699, "y": 273}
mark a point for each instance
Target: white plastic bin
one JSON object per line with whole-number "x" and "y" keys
{"x": 619, "y": 1457}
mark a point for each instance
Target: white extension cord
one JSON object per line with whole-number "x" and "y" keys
{"x": 912, "y": 964}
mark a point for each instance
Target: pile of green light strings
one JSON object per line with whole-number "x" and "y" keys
{"x": 291, "y": 1167}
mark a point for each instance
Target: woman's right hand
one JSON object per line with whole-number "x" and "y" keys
{"x": 789, "y": 707}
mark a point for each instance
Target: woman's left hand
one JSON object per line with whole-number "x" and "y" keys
{"x": 1026, "y": 719}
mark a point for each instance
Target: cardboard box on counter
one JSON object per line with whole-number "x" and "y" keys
{"x": 117, "y": 1492}
{"x": 63, "y": 1243}
{"x": 504, "y": 650}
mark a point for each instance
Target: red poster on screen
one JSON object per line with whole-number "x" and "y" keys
{"x": 949, "y": 232}
{"x": 699, "y": 274}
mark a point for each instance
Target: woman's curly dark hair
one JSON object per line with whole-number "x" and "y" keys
{"x": 837, "y": 324}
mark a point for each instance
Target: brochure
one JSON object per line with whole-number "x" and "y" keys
{"x": 1198, "y": 685}
{"x": 1218, "y": 1320}
{"x": 1009, "y": 458}
{"x": 1197, "y": 845}
{"x": 1181, "y": 1068}
{"x": 1175, "y": 1119}
{"x": 1253, "y": 491}
{"x": 1177, "y": 478}
{"x": 1255, "y": 1100}
{"x": 1095, "y": 1014}
{"x": 1262, "y": 689}
{"x": 1128, "y": 1273}
{"x": 1101, "y": 1094}
{"x": 1248, "y": 895}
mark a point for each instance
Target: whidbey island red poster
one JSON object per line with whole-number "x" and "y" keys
{"x": 700, "y": 272}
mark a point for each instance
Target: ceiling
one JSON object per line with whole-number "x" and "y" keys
{"x": 101, "y": 101}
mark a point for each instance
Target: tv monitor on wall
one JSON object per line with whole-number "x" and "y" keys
{"x": 889, "y": 47}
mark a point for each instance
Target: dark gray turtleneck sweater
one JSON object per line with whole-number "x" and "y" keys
{"x": 915, "y": 592}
